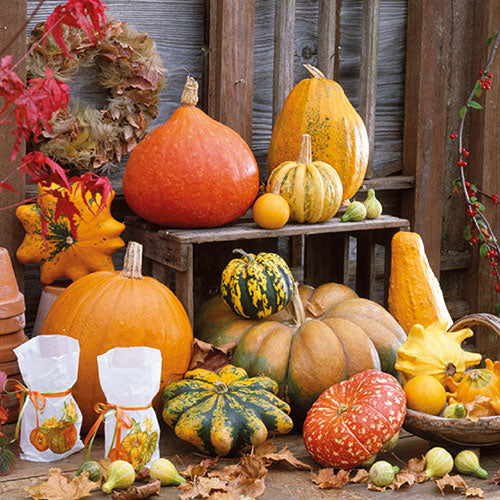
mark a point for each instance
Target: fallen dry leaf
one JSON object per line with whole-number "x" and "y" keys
{"x": 361, "y": 476}
{"x": 251, "y": 481}
{"x": 417, "y": 464}
{"x": 270, "y": 455}
{"x": 142, "y": 476}
{"x": 60, "y": 487}
{"x": 226, "y": 495}
{"x": 326, "y": 478}
{"x": 139, "y": 492}
{"x": 473, "y": 492}
{"x": 455, "y": 482}
{"x": 407, "y": 478}
{"x": 374, "y": 487}
{"x": 496, "y": 477}
{"x": 200, "y": 469}
{"x": 478, "y": 407}
{"x": 104, "y": 465}
{"x": 201, "y": 487}
{"x": 228, "y": 473}
{"x": 210, "y": 357}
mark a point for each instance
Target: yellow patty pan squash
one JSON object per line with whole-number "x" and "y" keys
{"x": 436, "y": 352}
{"x": 61, "y": 255}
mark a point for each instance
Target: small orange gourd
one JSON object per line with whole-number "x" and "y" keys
{"x": 107, "y": 309}
{"x": 60, "y": 254}
{"x": 271, "y": 211}
{"x": 415, "y": 296}
{"x": 318, "y": 106}
{"x": 480, "y": 382}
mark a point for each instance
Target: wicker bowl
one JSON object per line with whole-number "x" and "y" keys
{"x": 458, "y": 431}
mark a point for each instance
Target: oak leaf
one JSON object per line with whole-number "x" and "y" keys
{"x": 252, "y": 477}
{"x": 60, "y": 487}
{"x": 199, "y": 469}
{"x": 361, "y": 476}
{"x": 202, "y": 487}
{"x": 326, "y": 478}
{"x": 270, "y": 455}
{"x": 407, "y": 478}
{"x": 455, "y": 482}
{"x": 374, "y": 487}
{"x": 139, "y": 492}
{"x": 228, "y": 473}
{"x": 473, "y": 492}
{"x": 478, "y": 407}
{"x": 209, "y": 357}
{"x": 417, "y": 464}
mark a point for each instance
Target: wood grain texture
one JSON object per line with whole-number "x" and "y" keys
{"x": 231, "y": 64}
{"x": 12, "y": 16}
{"x": 425, "y": 121}
{"x": 327, "y": 20}
{"x": 284, "y": 51}
{"x": 368, "y": 73}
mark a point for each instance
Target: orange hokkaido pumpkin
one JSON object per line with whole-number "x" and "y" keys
{"x": 192, "y": 171}
{"x": 120, "y": 309}
{"x": 318, "y": 107}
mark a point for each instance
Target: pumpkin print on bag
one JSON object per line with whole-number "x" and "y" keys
{"x": 38, "y": 439}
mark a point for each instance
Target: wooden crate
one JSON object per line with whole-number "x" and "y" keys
{"x": 190, "y": 261}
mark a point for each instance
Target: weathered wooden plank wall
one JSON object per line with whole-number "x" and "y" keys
{"x": 178, "y": 29}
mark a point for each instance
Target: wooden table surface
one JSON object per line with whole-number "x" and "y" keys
{"x": 282, "y": 482}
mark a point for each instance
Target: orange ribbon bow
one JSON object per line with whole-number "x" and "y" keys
{"x": 123, "y": 421}
{"x": 37, "y": 398}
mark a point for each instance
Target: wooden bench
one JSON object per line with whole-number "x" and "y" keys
{"x": 190, "y": 261}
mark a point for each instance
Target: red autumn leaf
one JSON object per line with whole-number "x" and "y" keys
{"x": 86, "y": 15}
{"x": 4, "y": 415}
{"x": 65, "y": 206}
{"x": 42, "y": 170}
{"x": 6, "y": 185}
{"x": 94, "y": 184}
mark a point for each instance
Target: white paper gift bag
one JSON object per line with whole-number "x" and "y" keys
{"x": 130, "y": 378}
{"x": 50, "y": 419}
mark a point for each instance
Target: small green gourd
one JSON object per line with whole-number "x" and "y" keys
{"x": 390, "y": 444}
{"x": 355, "y": 212}
{"x": 438, "y": 462}
{"x": 382, "y": 473}
{"x": 93, "y": 468}
{"x": 456, "y": 410}
{"x": 467, "y": 462}
{"x": 372, "y": 205}
{"x": 165, "y": 471}
{"x": 121, "y": 475}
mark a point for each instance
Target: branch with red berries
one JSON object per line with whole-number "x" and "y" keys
{"x": 29, "y": 105}
{"x": 478, "y": 230}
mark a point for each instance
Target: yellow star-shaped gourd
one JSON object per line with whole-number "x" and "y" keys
{"x": 61, "y": 255}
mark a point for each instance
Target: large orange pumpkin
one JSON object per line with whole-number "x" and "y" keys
{"x": 120, "y": 309}
{"x": 192, "y": 171}
{"x": 318, "y": 106}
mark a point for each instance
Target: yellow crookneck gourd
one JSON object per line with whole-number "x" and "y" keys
{"x": 415, "y": 296}
{"x": 436, "y": 352}
{"x": 481, "y": 382}
{"x": 61, "y": 255}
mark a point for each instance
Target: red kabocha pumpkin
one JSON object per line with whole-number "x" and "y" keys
{"x": 353, "y": 420}
{"x": 192, "y": 171}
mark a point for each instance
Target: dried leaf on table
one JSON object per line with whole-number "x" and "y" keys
{"x": 374, "y": 487}
{"x": 361, "y": 476}
{"x": 60, "y": 487}
{"x": 228, "y": 473}
{"x": 496, "y": 478}
{"x": 473, "y": 492}
{"x": 210, "y": 357}
{"x": 139, "y": 492}
{"x": 226, "y": 495}
{"x": 478, "y": 407}
{"x": 270, "y": 455}
{"x": 202, "y": 487}
{"x": 326, "y": 478}
{"x": 417, "y": 464}
{"x": 455, "y": 482}
{"x": 104, "y": 463}
{"x": 200, "y": 469}
{"x": 251, "y": 481}
{"x": 142, "y": 476}
{"x": 407, "y": 478}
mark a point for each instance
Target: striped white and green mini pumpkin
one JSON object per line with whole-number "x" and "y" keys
{"x": 257, "y": 286}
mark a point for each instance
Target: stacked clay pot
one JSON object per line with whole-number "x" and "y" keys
{"x": 12, "y": 323}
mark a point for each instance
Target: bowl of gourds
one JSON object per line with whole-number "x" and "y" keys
{"x": 471, "y": 413}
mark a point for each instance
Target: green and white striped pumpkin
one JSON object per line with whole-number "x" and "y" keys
{"x": 220, "y": 413}
{"x": 257, "y": 286}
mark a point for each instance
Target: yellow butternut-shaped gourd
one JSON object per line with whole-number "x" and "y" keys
{"x": 415, "y": 296}
{"x": 318, "y": 106}
{"x": 436, "y": 352}
{"x": 63, "y": 254}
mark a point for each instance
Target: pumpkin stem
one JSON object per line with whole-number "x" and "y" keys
{"x": 220, "y": 387}
{"x": 190, "y": 93}
{"x": 298, "y": 312}
{"x": 450, "y": 370}
{"x": 315, "y": 72}
{"x": 132, "y": 264}
{"x": 305, "y": 155}
{"x": 342, "y": 408}
{"x": 242, "y": 252}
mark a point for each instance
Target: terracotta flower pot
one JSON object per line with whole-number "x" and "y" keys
{"x": 11, "y": 299}
{"x": 9, "y": 325}
{"x": 10, "y": 342}
{"x": 48, "y": 297}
